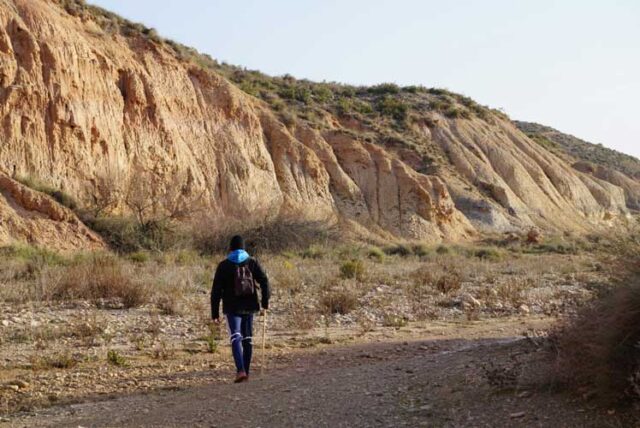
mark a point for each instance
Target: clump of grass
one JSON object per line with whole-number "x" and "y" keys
{"x": 352, "y": 269}
{"x": 212, "y": 338}
{"x": 60, "y": 196}
{"x": 489, "y": 254}
{"x": 420, "y": 250}
{"x": 376, "y": 254}
{"x": 443, "y": 250}
{"x": 398, "y": 250}
{"x": 38, "y": 255}
{"x": 116, "y": 359}
{"x": 394, "y": 320}
{"x": 139, "y": 257}
{"x": 61, "y": 360}
{"x": 313, "y": 252}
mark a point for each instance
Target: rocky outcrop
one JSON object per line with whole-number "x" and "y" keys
{"x": 81, "y": 108}
{"x": 512, "y": 182}
{"x": 630, "y": 186}
{"x": 35, "y": 218}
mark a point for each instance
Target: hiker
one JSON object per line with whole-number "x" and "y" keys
{"x": 235, "y": 283}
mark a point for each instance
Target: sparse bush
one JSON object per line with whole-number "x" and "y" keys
{"x": 313, "y": 252}
{"x": 490, "y": 254}
{"x": 139, "y": 257}
{"x": 394, "y": 320}
{"x": 301, "y": 317}
{"x": 102, "y": 277}
{"x": 88, "y": 329}
{"x": 449, "y": 282}
{"x": 600, "y": 346}
{"x": 60, "y": 196}
{"x": 512, "y": 291}
{"x": 352, "y": 269}
{"x": 366, "y": 323}
{"x": 376, "y": 254}
{"x": 393, "y": 107}
{"x": 116, "y": 359}
{"x": 61, "y": 360}
{"x": 399, "y": 250}
{"x": 338, "y": 301}
{"x": 277, "y": 235}
{"x": 420, "y": 250}
{"x": 443, "y": 250}
{"x": 384, "y": 88}
{"x": 171, "y": 303}
{"x": 37, "y": 256}
{"x": 212, "y": 338}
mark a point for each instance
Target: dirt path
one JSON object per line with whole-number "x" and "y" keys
{"x": 434, "y": 382}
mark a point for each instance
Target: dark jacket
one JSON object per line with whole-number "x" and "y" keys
{"x": 223, "y": 289}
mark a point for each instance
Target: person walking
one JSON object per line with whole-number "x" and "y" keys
{"x": 236, "y": 283}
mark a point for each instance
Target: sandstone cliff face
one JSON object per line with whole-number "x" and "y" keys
{"x": 32, "y": 217}
{"x": 519, "y": 183}
{"x": 80, "y": 107}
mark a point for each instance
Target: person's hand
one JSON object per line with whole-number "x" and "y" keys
{"x": 216, "y": 321}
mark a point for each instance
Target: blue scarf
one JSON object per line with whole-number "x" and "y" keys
{"x": 238, "y": 256}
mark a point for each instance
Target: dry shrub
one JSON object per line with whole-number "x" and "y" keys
{"x": 449, "y": 282}
{"x": 366, "y": 323}
{"x": 171, "y": 304}
{"x": 338, "y": 301}
{"x": 599, "y": 347}
{"x": 58, "y": 360}
{"x": 88, "y": 329}
{"x": 419, "y": 291}
{"x": 286, "y": 278}
{"x": 512, "y": 291}
{"x": 274, "y": 236}
{"x": 301, "y": 318}
{"x": 352, "y": 269}
{"x": 101, "y": 277}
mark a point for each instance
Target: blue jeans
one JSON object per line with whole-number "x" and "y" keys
{"x": 240, "y": 331}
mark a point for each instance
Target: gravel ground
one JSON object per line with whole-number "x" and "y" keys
{"x": 438, "y": 380}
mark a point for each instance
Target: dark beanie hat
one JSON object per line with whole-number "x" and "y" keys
{"x": 237, "y": 243}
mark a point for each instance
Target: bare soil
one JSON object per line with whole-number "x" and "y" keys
{"x": 430, "y": 375}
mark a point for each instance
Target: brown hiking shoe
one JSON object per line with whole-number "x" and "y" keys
{"x": 241, "y": 377}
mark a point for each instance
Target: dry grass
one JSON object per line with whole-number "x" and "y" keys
{"x": 341, "y": 301}
{"x": 599, "y": 348}
{"x": 102, "y": 278}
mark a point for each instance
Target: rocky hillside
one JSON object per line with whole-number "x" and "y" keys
{"x": 607, "y": 164}
{"x": 124, "y": 121}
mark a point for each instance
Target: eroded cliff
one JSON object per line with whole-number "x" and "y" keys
{"x": 82, "y": 107}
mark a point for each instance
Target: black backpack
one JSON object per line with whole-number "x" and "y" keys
{"x": 243, "y": 282}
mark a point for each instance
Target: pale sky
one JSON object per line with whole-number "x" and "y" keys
{"x": 570, "y": 64}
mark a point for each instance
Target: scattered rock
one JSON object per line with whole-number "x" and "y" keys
{"x": 20, "y": 384}
{"x": 534, "y": 236}
{"x": 518, "y": 415}
{"x": 524, "y": 309}
{"x": 468, "y": 301}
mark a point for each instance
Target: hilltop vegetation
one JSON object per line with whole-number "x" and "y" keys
{"x": 386, "y": 113}
{"x": 580, "y": 149}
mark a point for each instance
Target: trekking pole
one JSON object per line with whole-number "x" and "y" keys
{"x": 263, "y": 359}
